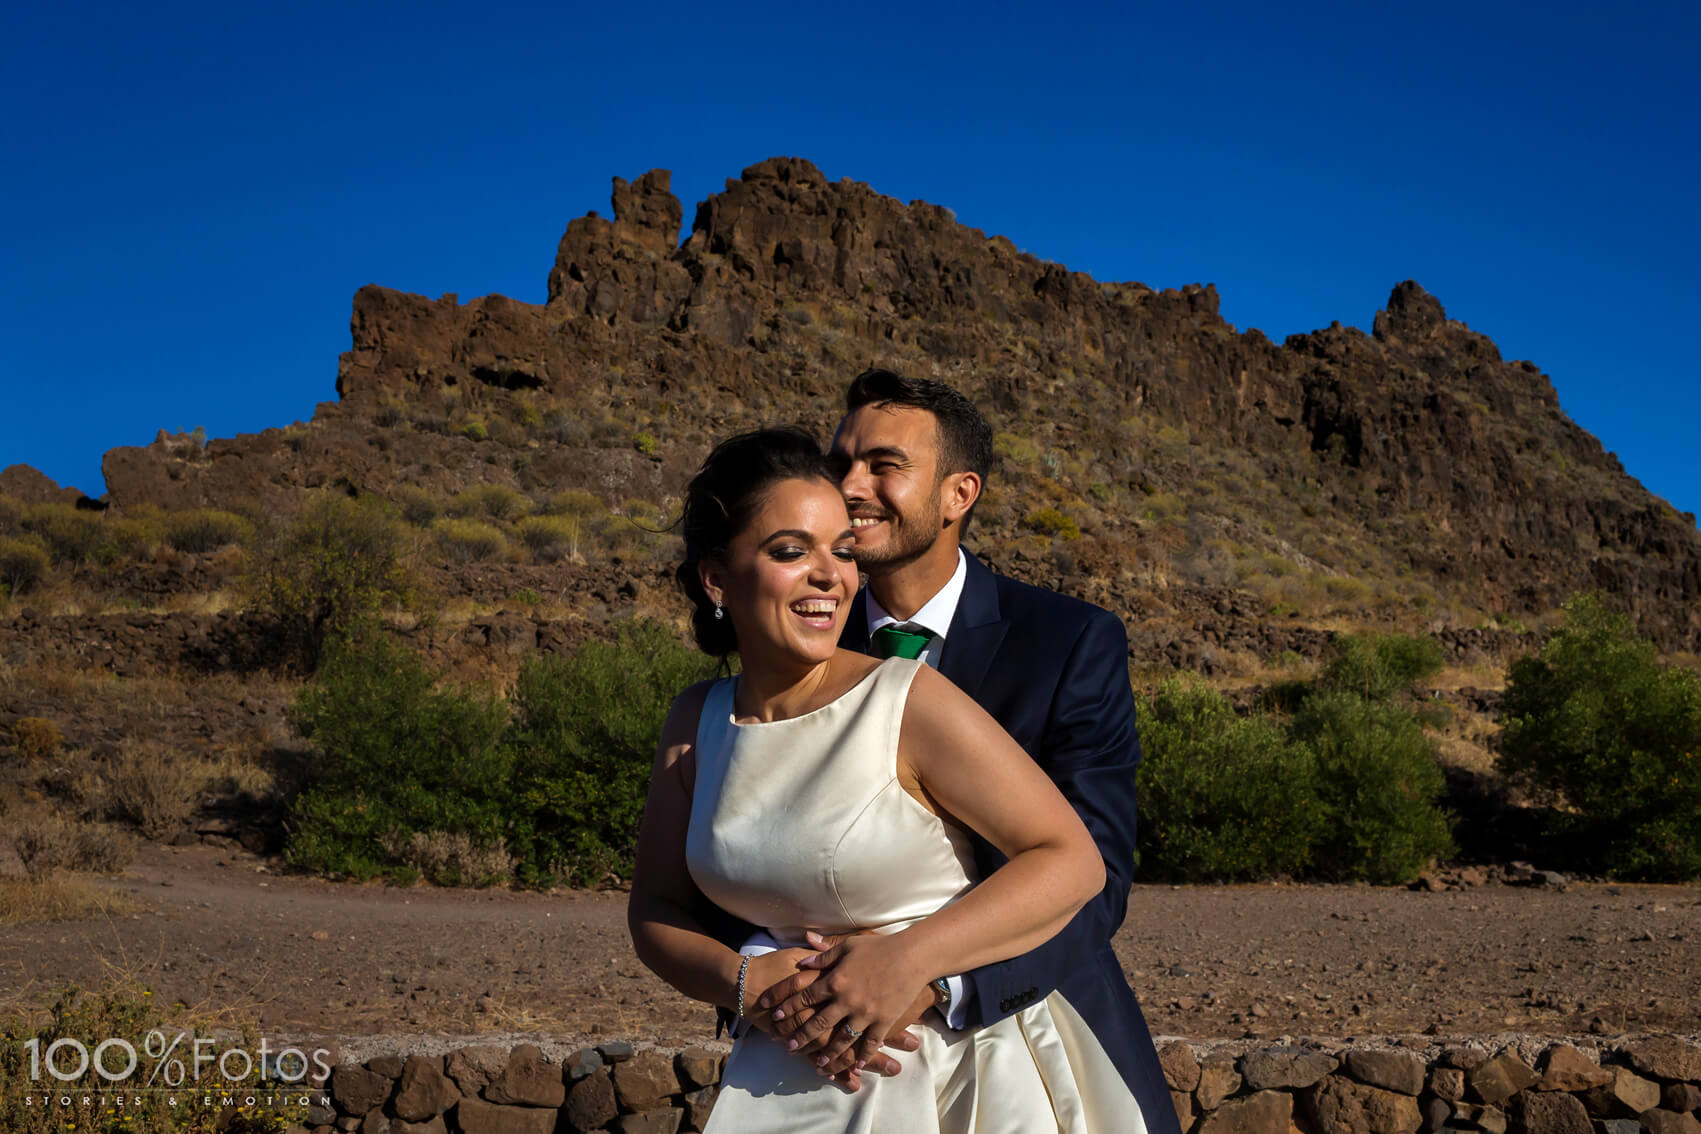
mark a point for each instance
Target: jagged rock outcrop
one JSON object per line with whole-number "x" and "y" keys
{"x": 1414, "y": 451}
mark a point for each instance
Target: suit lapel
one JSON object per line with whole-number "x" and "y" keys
{"x": 977, "y": 629}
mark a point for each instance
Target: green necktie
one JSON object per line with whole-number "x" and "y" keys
{"x": 889, "y": 641}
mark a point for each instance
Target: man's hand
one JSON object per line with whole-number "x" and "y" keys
{"x": 767, "y": 970}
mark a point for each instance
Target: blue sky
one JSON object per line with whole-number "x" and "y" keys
{"x": 194, "y": 192}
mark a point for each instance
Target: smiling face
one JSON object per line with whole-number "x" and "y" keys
{"x": 788, "y": 577}
{"x": 887, "y": 458}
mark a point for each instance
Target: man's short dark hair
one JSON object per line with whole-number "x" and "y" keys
{"x": 965, "y": 439}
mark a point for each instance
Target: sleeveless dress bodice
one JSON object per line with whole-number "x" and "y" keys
{"x": 803, "y": 824}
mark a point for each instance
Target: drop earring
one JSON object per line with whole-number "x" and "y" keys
{"x": 720, "y": 612}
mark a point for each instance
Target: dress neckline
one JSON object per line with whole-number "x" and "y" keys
{"x": 865, "y": 679}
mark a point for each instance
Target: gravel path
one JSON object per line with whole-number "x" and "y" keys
{"x": 224, "y": 930}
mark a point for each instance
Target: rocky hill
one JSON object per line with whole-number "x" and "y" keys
{"x": 1227, "y": 494}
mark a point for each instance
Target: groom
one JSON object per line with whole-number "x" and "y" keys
{"x": 912, "y": 456}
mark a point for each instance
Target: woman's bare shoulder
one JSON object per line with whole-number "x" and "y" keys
{"x": 680, "y": 728}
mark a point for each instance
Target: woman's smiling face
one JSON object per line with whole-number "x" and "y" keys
{"x": 788, "y": 577}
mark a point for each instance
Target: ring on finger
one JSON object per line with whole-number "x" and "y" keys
{"x": 850, "y": 1031}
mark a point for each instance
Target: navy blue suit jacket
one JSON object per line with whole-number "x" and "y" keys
{"x": 1053, "y": 671}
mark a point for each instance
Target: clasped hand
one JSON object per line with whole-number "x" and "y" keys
{"x": 846, "y": 997}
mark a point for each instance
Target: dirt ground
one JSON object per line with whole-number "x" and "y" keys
{"x": 223, "y": 930}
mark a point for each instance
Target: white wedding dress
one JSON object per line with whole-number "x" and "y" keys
{"x": 802, "y": 824}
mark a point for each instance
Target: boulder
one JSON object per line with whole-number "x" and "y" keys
{"x": 1265, "y": 1112}
{"x": 1284, "y": 1068}
{"x": 697, "y": 1067}
{"x": 424, "y": 1091}
{"x": 528, "y": 1080}
{"x": 1554, "y": 1112}
{"x": 475, "y": 1116}
{"x": 1338, "y": 1105}
{"x": 356, "y": 1090}
{"x": 1681, "y": 1097}
{"x": 642, "y": 1082}
{"x": 1564, "y": 1068}
{"x": 473, "y": 1068}
{"x": 665, "y": 1120}
{"x": 1180, "y": 1067}
{"x": 1217, "y": 1081}
{"x": 1626, "y": 1096}
{"x": 1447, "y": 1083}
{"x": 1664, "y": 1057}
{"x": 1399, "y": 1071}
{"x": 699, "y": 1104}
{"x": 1668, "y": 1122}
{"x": 590, "y": 1104}
{"x": 1500, "y": 1078}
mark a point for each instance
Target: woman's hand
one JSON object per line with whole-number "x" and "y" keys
{"x": 767, "y": 970}
{"x": 867, "y": 987}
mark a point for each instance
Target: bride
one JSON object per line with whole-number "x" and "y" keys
{"x": 823, "y": 790}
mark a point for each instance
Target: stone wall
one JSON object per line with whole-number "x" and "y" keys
{"x": 1517, "y": 1085}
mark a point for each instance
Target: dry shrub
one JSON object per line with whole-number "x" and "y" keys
{"x": 155, "y": 787}
{"x": 452, "y": 859}
{"x": 11, "y": 515}
{"x": 44, "y": 845}
{"x": 576, "y": 502}
{"x": 59, "y": 898}
{"x": 490, "y": 501}
{"x": 70, "y": 534}
{"x": 548, "y": 537}
{"x": 24, "y": 564}
{"x": 201, "y": 530}
{"x": 418, "y": 507}
{"x": 37, "y": 738}
{"x": 468, "y": 541}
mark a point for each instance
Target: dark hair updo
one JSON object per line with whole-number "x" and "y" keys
{"x": 721, "y": 500}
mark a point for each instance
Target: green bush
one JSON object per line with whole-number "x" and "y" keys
{"x": 1222, "y": 797}
{"x": 24, "y": 564}
{"x": 1597, "y": 727}
{"x": 71, "y": 535}
{"x": 338, "y": 564}
{"x": 133, "y": 537}
{"x": 11, "y": 516}
{"x": 1381, "y": 666}
{"x": 201, "y": 530}
{"x": 400, "y": 757}
{"x": 469, "y": 541}
{"x": 576, "y": 503}
{"x": 495, "y": 502}
{"x": 1379, "y": 785}
{"x": 455, "y": 785}
{"x": 584, "y": 737}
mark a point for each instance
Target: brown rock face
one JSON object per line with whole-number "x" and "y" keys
{"x": 475, "y": 1116}
{"x": 1391, "y": 1070}
{"x": 528, "y": 1080}
{"x": 1447, "y": 1083}
{"x": 663, "y": 1121}
{"x": 1665, "y": 1122}
{"x": 590, "y": 1104}
{"x": 473, "y": 1068}
{"x": 1626, "y": 1096}
{"x": 1564, "y": 1068}
{"x": 1665, "y": 1057}
{"x": 32, "y": 486}
{"x": 1284, "y": 1068}
{"x": 643, "y": 1081}
{"x": 1217, "y": 1081}
{"x": 355, "y": 1090}
{"x": 1550, "y": 1112}
{"x": 1338, "y": 1105}
{"x": 1500, "y": 1078}
{"x": 1266, "y": 1112}
{"x": 1180, "y": 1067}
{"x": 424, "y": 1091}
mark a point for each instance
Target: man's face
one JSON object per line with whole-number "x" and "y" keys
{"x": 887, "y": 461}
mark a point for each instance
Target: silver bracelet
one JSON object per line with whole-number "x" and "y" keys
{"x": 743, "y": 968}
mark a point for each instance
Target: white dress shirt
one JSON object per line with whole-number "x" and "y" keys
{"x": 935, "y": 617}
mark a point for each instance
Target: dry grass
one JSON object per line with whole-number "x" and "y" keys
{"x": 60, "y": 897}
{"x": 211, "y": 602}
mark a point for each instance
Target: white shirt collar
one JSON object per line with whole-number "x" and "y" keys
{"x": 935, "y": 614}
